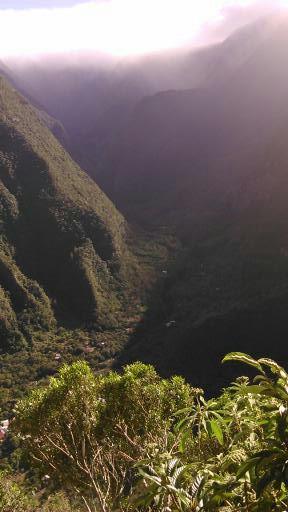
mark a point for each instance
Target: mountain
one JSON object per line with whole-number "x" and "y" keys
{"x": 21, "y": 86}
{"x": 93, "y": 97}
{"x": 85, "y": 93}
{"x": 204, "y": 168}
{"x": 212, "y": 164}
{"x": 4, "y": 69}
{"x": 227, "y": 288}
{"x": 63, "y": 253}
{"x": 186, "y": 145}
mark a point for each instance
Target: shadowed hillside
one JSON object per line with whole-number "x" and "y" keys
{"x": 60, "y": 236}
{"x": 229, "y": 284}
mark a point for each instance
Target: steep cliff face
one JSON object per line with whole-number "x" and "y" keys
{"x": 62, "y": 250}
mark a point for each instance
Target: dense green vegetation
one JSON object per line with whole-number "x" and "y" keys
{"x": 70, "y": 285}
{"x": 134, "y": 441}
{"x": 221, "y": 290}
{"x": 63, "y": 245}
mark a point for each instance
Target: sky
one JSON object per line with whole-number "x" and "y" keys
{"x": 119, "y": 27}
{"x": 30, "y": 4}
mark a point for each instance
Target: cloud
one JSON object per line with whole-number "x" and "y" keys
{"x": 237, "y": 15}
{"x": 121, "y": 27}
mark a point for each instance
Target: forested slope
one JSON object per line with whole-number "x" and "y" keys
{"x": 60, "y": 236}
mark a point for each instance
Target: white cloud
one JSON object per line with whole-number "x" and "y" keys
{"x": 117, "y": 27}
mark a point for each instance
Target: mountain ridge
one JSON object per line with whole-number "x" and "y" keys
{"x": 57, "y": 227}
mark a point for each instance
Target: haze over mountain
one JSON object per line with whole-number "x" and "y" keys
{"x": 110, "y": 88}
{"x": 176, "y": 137}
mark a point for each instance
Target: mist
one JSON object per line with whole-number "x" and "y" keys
{"x": 122, "y": 28}
{"x": 92, "y": 91}
{"x": 140, "y": 50}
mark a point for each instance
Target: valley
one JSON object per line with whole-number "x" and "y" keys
{"x": 194, "y": 158}
{"x": 143, "y": 252}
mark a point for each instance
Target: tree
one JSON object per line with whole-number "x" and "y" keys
{"x": 88, "y": 431}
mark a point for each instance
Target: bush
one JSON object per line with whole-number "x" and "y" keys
{"x": 88, "y": 431}
{"x": 138, "y": 442}
{"x": 12, "y": 496}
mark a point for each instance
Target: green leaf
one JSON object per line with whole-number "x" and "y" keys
{"x": 183, "y": 441}
{"x": 243, "y": 358}
{"x": 274, "y": 367}
{"x": 263, "y": 482}
{"x": 172, "y": 463}
{"x": 217, "y": 431}
{"x": 247, "y": 466}
{"x": 253, "y": 390}
{"x": 186, "y": 410}
{"x": 182, "y": 424}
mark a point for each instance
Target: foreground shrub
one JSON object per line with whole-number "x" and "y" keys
{"x": 138, "y": 442}
{"x": 88, "y": 431}
{"x": 13, "y": 497}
